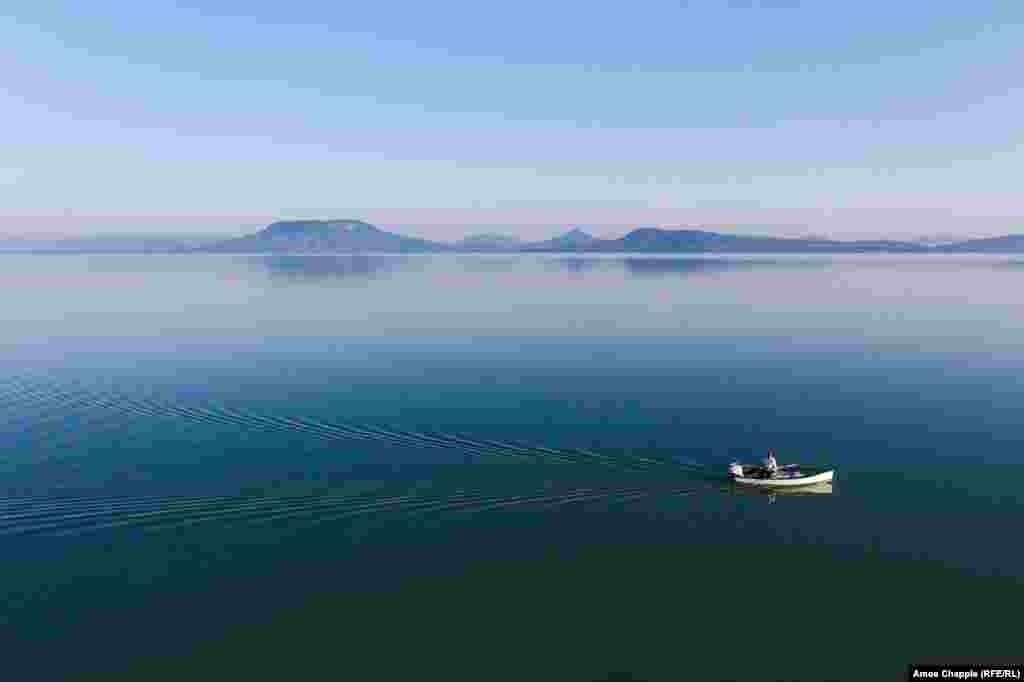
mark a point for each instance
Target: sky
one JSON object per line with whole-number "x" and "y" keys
{"x": 442, "y": 118}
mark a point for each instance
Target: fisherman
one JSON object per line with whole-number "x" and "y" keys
{"x": 771, "y": 465}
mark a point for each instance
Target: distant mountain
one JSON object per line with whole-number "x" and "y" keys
{"x": 657, "y": 240}
{"x": 936, "y": 239}
{"x": 334, "y": 236}
{"x": 356, "y": 236}
{"x": 1011, "y": 243}
{"x": 489, "y": 242}
{"x": 573, "y": 240}
{"x": 652, "y": 239}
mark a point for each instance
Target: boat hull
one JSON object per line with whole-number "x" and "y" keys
{"x": 814, "y": 479}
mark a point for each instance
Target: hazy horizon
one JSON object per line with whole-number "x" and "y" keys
{"x": 42, "y": 229}
{"x": 867, "y": 121}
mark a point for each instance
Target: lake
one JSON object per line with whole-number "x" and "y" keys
{"x": 507, "y": 467}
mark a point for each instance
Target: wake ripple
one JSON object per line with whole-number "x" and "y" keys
{"x": 45, "y": 409}
{"x": 86, "y": 516}
{"x": 54, "y": 415}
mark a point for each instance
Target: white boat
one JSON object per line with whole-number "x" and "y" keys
{"x": 788, "y": 476}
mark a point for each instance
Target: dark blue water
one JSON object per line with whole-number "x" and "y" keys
{"x": 502, "y": 467}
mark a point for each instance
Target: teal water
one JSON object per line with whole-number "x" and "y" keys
{"x": 505, "y": 467}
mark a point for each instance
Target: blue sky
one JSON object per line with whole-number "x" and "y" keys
{"x": 864, "y": 118}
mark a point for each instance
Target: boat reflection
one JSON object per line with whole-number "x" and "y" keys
{"x": 772, "y": 493}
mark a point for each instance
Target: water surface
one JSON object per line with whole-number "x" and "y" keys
{"x": 495, "y": 467}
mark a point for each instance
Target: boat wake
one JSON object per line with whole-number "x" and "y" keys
{"x": 44, "y": 409}
{"x": 48, "y": 517}
{"x": 53, "y": 417}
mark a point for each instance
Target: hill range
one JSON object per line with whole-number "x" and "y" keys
{"x": 356, "y": 236}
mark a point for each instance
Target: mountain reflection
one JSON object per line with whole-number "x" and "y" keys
{"x": 364, "y": 267}
{"x": 303, "y": 268}
{"x": 648, "y": 266}
{"x": 577, "y": 265}
{"x": 660, "y": 267}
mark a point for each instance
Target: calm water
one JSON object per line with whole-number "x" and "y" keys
{"x": 504, "y": 467}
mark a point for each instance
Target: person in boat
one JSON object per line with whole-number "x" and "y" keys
{"x": 770, "y": 465}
